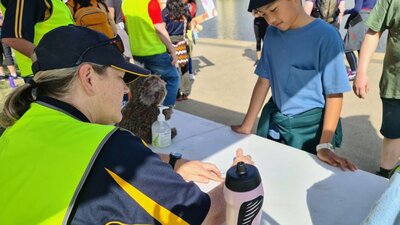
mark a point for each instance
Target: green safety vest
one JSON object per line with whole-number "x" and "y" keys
{"x": 143, "y": 37}
{"x": 60, "y": 16}
{"x": 45, "y": 158}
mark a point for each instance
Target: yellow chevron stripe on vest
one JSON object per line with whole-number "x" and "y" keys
{"x": 158, "y": 212}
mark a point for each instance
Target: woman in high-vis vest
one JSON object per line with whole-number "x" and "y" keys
{"x": 61, "y": 160}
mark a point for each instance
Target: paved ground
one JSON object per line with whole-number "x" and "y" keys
{"x": 225, "y": 81}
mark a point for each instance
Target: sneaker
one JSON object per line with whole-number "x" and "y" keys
{"x": 179, "y": 97}
{"x": 383, "y": 173}
{"x": 191, "y": 76}
{"x": 351, "y": 75}
{"x": 3, "y": 77}
{"x": 185, "y": 97}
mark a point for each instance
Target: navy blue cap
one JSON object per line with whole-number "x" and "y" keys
{"x": 254, "y": 4}
{"x": 69, "y": 46}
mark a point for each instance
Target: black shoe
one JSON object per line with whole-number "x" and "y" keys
{"x": 179, "y": 97}
{"x": 383, "y": 172}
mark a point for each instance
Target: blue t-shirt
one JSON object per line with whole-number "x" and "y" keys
{"x": 303, "y": 66}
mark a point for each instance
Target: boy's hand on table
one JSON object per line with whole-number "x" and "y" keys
{"x": 241, "y": 129}
{"x": 332, "y": 159}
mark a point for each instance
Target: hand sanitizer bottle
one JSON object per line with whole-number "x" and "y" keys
{"x": 161, "y": 131}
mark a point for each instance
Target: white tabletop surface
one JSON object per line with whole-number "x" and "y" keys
{"x": 299, "y": 189}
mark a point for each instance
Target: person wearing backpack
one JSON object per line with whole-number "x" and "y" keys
{"x": 331, "y": 11}
{"x": 177, "y": 19}
{"x": 26, "y": 22}
{"x": 94, "y": 15}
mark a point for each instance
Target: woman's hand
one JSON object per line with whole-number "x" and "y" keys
{"x": 197, "y": 171}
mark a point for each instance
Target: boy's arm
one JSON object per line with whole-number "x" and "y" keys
{"x": 369, "y": 45}
{"x": 331, "y": 117}
{"x": 260, "y": 92}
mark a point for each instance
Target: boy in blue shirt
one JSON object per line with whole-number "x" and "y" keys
{"x": 302, "y": 62}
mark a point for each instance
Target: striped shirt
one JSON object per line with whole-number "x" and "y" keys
{"x": 21, "y": 17}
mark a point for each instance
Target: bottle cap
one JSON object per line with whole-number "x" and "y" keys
{"x": 161, "y": 116}
{"x": 242, "y": 177}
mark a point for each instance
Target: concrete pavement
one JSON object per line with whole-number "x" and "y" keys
{"x": 225, "y": 80}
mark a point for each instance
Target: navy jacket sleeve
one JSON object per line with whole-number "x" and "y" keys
{"x": 102, "y": 200}
{"x": 21, "y": 16}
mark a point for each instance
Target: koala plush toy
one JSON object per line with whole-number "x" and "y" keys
{"x": 141, "y": 111}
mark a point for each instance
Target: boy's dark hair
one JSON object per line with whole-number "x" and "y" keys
{"x": 327, "y": 10}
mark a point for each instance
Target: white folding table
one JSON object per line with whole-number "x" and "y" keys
{"x": 299, "y": 189}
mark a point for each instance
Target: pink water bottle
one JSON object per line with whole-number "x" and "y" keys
{"x": 244, "y": 195}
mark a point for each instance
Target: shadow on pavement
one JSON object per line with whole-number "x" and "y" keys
{"x": 250, "y": 53}
{"x": 361, "y": 142}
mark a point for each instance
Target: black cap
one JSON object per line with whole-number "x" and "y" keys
{"x": 69, "y": 46}
{"x": 254, "y": 4}
{"x": 242, "y": 177}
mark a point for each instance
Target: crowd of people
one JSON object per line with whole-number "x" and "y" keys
{"x": 77, "y": 167}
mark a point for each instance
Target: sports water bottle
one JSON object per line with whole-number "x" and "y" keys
{"x": 244, "y": 195}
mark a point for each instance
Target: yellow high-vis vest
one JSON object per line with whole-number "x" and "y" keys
{"x": 45, "y": 158}
{"x": 143, "y": 37}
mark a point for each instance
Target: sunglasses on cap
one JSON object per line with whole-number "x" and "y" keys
{"x": 116, "y": 42}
